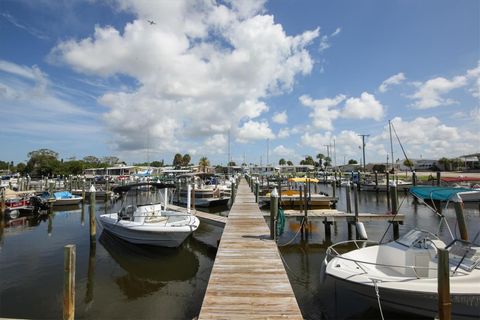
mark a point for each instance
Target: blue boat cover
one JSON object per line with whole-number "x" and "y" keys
{"x": 63, "y": 195}
{"x": 436, "y": 193}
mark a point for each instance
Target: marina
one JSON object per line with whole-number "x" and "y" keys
{"x": 298, "y": 253}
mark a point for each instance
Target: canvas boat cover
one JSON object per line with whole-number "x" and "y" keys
{"x": 437, "y": 193}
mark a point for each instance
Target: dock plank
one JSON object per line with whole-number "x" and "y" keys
{"x": 248, "y": 279}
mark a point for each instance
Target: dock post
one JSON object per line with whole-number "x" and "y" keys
{"x": 193, "y": 197}
{"x": 387, "y": 177}
{"x": 279, "y": 192}
{"x": 414, "y": 178}
{"x": 349, "y": 202}
{"x": 444, "y": 303}
{"x": 256, "y": 191}
{"x": 69, "y": 282}
{"x": 334, "y": 189}
{"x": 93, "y": 230}
{"x": 273, "y": 212}
{"x": 376, "y": 181}
{"x": 462, "y": 226}
{"x": 2, "y": 203}
{"x": 83, "y": 190}
{"x": 305, "y": 199}
{"x": 355, "y": 207}
{"x": 438, "y": 178}
{"x": 394, "y": 196}
{"x": 189, "y": 197}
{"x": 232, "y": 192}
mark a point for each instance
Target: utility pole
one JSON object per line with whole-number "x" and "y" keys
{"x": 363, "y": 147}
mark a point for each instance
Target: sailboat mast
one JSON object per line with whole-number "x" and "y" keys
{"x": 391, "y": 143}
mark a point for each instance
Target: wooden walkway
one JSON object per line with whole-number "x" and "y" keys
{"x": 248, "y": 280}
{"x": 334, "y": 215}
{"x": 213, "y": 219}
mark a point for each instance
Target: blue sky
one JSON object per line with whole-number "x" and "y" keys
{"x": 285, "y": 76}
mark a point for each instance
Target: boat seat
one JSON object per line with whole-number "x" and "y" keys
{"x": 156, "y": 219}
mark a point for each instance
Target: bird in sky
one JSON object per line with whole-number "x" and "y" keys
{"x": 151, "y": 22}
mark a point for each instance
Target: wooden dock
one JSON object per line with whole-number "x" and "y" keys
{"x": 248, "y": 280}
{"x": 213, "y": 219}
{"x": 335, "y": 215}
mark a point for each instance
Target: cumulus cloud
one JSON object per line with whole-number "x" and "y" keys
{"x": 283, "y": 151}
{"x": 253, "y": 130}
{"x": 280, "y": 117}
{"x": 364, "y": 107}
{"x": 197, "y": 63}
{"x": 323, "y": 110}
{"x": 430, "y": 94}
{"x": 393, "y": 80}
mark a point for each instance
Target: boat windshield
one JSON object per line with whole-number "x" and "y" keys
{"x": 465, "y": 254}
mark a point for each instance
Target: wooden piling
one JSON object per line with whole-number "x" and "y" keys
{"x": 462, "y": 226}
{"x": 349, "y": 202}
{"x": 2, "y": 203}
{"x": 387, "y": 178}
{"x": 193, "y": 197}
{"x": 273, "y": 213}
{"x": 69, "y": 282}
{"x": 376, "y": 181}
{"x": 414, "y": 178}
{"x": 355, "y": 201}
{"x": 438, "y": 178}
{"x": 256, "y": 191}
{"x": 444, "y": 302}
{"x": 93, "y": 230}
{"x": 394, "y": 201}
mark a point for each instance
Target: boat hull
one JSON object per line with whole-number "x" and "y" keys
{"x": 148, "y": 234}
{"x": 464, "y": 307}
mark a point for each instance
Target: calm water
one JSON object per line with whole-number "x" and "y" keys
{"x": 118, "y": 280}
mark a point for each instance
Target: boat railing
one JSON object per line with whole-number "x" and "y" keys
{"x": 332, "y": 252}
{"x": 160, "y": 217}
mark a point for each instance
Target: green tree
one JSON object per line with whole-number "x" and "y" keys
{"x": 204, "y": 163}
{"x": 232, "y": 164}
{"x": 282, "y": 162}
{"x": 177, "y": 160}
{"x": 320, "y": 158}
{"x": 308, "y": 161}
{"x": 289, "y": 163}
{"x": 352, "y": 161}
{"x": 21, "y": 168}
{"x": 92, "y": 160}
{"x": 43, "y": 162}
{"x": 186, "y": 159}
{"x": 379, "y": 168}
{"x": 156, "y": 164}
{"x": 445, "y": 162}
{"x": 327, "y": 162}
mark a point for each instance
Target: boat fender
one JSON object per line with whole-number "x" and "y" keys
{"x": 362, "y": 233}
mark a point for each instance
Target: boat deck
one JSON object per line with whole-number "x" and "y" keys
{"x": 248, "y": 279}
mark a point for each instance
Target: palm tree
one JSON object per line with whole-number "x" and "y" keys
{"x": 177, "y": 160}
{"x": 186, "y": 159}
{"x": 320, "y": 158}
{"x": 289, "y": 163}
{"x": 204, "y": 163}
{"x": 282, "y": 162}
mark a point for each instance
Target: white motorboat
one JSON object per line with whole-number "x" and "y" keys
{"x": 402, "y": 274}
{"x": 150, "y": 223}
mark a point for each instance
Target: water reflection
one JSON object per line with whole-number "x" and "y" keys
{"x": 90, "y": 275}
{"x": 148, "y": 268}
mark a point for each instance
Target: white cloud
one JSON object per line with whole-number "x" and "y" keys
{"x": 364, "y": 107}
{"x": 181, "y": 69}
{"x": 280, "y": 117}
{"x": 325, "y": 40}
{"x": 253, "y": 130}
{"x": 283, "y": 151}
{"x": 323, "y": 112}
{"x": 429, "y": 94}
{"x": 283, "y": 133}
{"x": 474, "y": 74}
{"x": 393, "y": 80}
{"x": 217, "y": 143}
